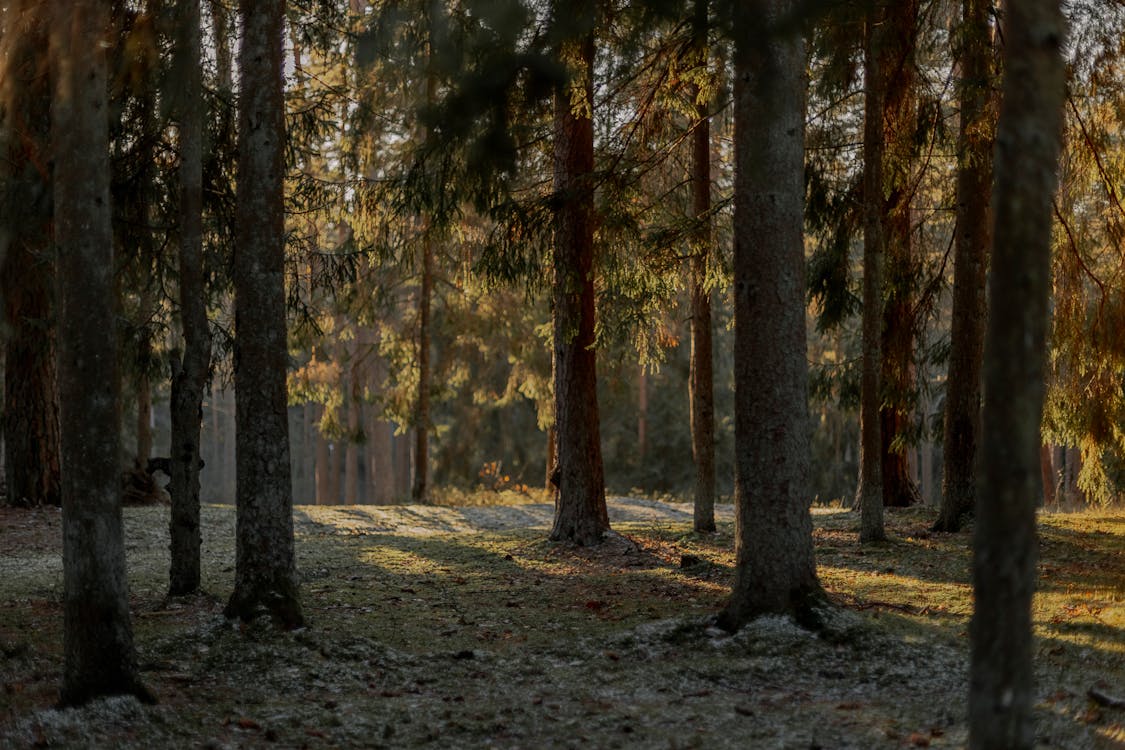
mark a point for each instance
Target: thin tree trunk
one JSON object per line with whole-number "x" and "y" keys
{"x": 265, "y": 568}
{"x": 973, "y": 238}
{"x": 1029, "y": 135}
{"x": 351, "y": 458}
{"x": 323, "y": 469}
{"x": 775, "y": 569}
{"x": 98, "y": 634}
{"x": 642, "y": 414}
{"x": 580, "y": 509}
{"x": 869, "y": 495}
{"x": 422, "y": 406}
{"x": 191, "y": 375}
{"x": 143, "y": 423}
{"x": 549, "y": 482}
{"x": 701, "y": 403}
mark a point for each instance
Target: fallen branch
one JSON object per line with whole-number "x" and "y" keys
{"x": 1105, "y": 699}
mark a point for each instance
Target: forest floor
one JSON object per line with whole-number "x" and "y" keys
{"x": 462, "y": 627}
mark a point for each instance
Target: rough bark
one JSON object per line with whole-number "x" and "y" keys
{"x": 970, "y": 261}
{"x": 98, "y": 634}
{"x": 869, "y": 495}
{"x": 775, "y": 570}
{"x": 701, "y": 400}
{"x": 190, "y": 375}
{"x": 1029, "y": 133}
{"x": 580, "y": 509}
{"x": 894, "y": 45}
{"x": 265, "y": 570}
{"x": 30, "y": 414}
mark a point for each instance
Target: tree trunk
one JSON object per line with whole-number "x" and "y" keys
{"x": 642, "y": 414}
{"x": 869, "y": 495}
{"x": 191, "y": 373}
{"x": 973, "y": 238}
{"x": 143, "y": 423}
{"x": 1047, "y": 468}
{"x": 31, "y": 399}
{"x": 351, "y": 457}
{"x": 98, "y": 634}
{"x": 701, "y": 400}
{"x": 1028, "y": 139}
{"x": 775, "y": 570}
{"x": 422, "y": 404}
{"x": 265, "y": 570}
{"x": 323, "y": 469}
{"x": 580, "y": 510}
{"x": 894, "y": 45}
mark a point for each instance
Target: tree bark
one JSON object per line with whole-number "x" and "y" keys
{"x": 351, "y": 458}
{"x": 1028, "y": 139}
{"x": 972, "y": 240}
{"x": 265, "y": 569}
{"x": 701, "y": 400}
{"x": 191, "y": 373}
{"x": 869, "y": 495}
{"x": 580, "y": 509}
{"x": 31, "y": 399}
{"x": 422, "y": 404}
{"x": 894, "y": 45}
{"x": 98, "y": 634}
{"x": 775, "y": 570}
{"x": 1050, "y": 478}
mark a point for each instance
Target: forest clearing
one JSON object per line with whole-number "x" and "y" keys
{"x": 463, "y": 627}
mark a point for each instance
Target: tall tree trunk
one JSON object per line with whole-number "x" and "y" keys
{"x": 895, "y": 43}
{"x": 323, "y": 469}
{"x": 190, "y": 374}
{"x": 402, "y": 464}
{"x": 1028, "y": 139}
{"x": 973, "y": 238}
{"x": 143, "y": 422}
{"x": 98, "y": 634}
{"x": 265, "y": 569}
{"x": 580, "y": 510}
{"x": 351, "y": 457}
{"x": 31, "y": 399}
{"x": 642, "y": 414}
{"x": 422, "y": 404}
{"x": 775, "y": 570}
{"x": 869, "y": 495}
{"x": 701, "y": 400}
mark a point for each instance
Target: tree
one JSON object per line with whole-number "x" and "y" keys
{"x": 1028, "y": 139}
{"x": 98, "y": 633}
{"x": 869, "y": 495}
{"x": 702, "y": 397}
{"x": 894, "y": 44}
{"x": 580, "y": 510}
{"x": 190, "y": 373}
{"x": 30, "y": 415}
{"x": 775, "y": 570}
{"x": 973, "y": 237}
{"x": 265, "y": 569}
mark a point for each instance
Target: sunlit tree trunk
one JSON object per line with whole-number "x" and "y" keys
{"x": 701, "y": 389}
{"x": 775, "y": 570}
{"x": 894, "y": 45}
{"x": 869, "y": 495}
{"x": 191, "y": 373}
{"x": 580, "y": 509}
{"x": 31, "y": 408}
{"x": 973, "y": 238}
{"x": 1028, "y": 139}
{"x": 265, "y": 569}
{"x": 98, "y": 634}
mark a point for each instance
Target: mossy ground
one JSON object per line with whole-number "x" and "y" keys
{"x": 463, "y": 627}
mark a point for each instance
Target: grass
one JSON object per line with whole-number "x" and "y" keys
{"x": 426, "y": 631}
